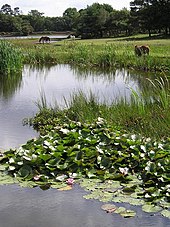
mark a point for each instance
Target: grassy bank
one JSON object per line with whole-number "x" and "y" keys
{"x": 99, "y": 53}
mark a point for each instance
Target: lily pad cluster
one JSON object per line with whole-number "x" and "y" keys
{"x": 96, "y": 151}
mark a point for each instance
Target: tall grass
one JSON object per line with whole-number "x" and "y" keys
{"x": 146, "y": 114}
{"x": 10, "y": 58}
{"x": 104, "y": 53}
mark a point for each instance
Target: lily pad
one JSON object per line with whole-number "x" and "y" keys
{"x": 166, "y": 213}
{"x": 150, "y": 208}
{"x": 109, "y": 208}
{"x": 128, "y": 214}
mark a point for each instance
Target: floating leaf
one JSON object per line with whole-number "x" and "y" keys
{"x": 128, "y": 214}
{"x": 150, "y": 208}
{"x": 25, "y": 171}
{"x": 66, "y": 188}
{"x": 109, "y": 208}
{"x": 166, "y": 213}
{"x": 120, "y": 210}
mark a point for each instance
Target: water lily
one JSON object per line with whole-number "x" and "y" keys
{"x": 124, "y": 171}
{"x": 70, "y": 181}
{"x": 37, "y": 177}
{"x": 64, "y": 130}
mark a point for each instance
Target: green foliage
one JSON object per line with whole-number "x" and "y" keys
{"x": 10, "y": 58}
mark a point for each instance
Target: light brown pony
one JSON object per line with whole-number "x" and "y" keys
{"x": 44, "y": 39}
{"x": 145, "y": 49}
{"x": 139, "y": 50}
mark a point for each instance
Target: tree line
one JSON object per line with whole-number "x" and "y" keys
{"x": 95, "y": 21}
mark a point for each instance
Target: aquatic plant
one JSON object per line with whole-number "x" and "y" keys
{"x": 10, "y": 58}
{"x": 128, "y": 167}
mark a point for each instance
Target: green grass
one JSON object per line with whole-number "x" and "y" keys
{"x": 147, "y": 113}
{"x": 10, "y": 58}
{"x": 112, "y": 52}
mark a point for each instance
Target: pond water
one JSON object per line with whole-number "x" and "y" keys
{"x": 24, "y": 207}
{"x": 19, "y": 94}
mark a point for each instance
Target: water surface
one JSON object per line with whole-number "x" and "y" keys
{"x": 24, "y": 207}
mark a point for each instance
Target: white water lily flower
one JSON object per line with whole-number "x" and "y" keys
{"x": 99, "y": 150}
{"x": 34, "y": 156}
{"x": 142, "y": 155}
{"x": 143, "y": 148}
{"x": 124, "y": 171}
{"x": 27, "y": 158}
{"x": 46, "y": 143}
{"x": 160, "y": 146}
{"x": 11, "y": 167}
{"x": 52, "y": 148}
{"x": 73, "y": 130}
{"x": 61, "y": 178}
{"x": 64, "y": 130}
{"x": 99, "y": 160}
{"x": 133, "y": 137}
{"x": 11, "y": 160}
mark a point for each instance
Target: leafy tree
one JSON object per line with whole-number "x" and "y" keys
{"x": 16, "y": 11}
{"x": 70, "y": 17}
{"x": 151, "y": 14}
{"x": 6, "y": 9}
{"x": 36, "y": 20}
{"x": 118, "y": 22}
{"x": 92, "y": 21}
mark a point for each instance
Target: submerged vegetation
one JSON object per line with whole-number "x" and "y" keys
{"x": 10, "y": 58}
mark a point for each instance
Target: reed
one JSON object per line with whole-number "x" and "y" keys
{"x": 10, "y": 58}
{"x": 144, "y": 114}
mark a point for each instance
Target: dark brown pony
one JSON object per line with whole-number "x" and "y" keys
{"x": 44, "y": 39}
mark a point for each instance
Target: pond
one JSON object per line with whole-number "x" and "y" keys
{"x": 18, "y": 97}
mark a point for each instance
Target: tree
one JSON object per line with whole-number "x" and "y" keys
{"x": 70, "y": 16}
{"x": 36, "y": 20}
{"x": 118, "y": 22}
{"x": 6, "y": 9}
{"x": 151, "y": 14}
{"x": 16, "y": 11}
{"x": 92, "y": 21}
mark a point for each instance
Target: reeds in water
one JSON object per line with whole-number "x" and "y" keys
{"x": 147, "y": 113}
{"x": 10, "y": 58}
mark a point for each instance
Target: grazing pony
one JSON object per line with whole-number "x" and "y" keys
{"x": 139, "y": 50}
{"x": 145, "y": 49}
{"x": 44, "y": 39}
{"x": 72, "y": 37}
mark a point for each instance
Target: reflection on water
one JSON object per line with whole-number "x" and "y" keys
{"x": 19, "y": 94}
{"x": 24, "y": 207}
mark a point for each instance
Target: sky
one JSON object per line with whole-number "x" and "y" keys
{"x": 55, "y": 8}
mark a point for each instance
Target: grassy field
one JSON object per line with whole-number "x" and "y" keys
{"x": 112, "y": 52}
